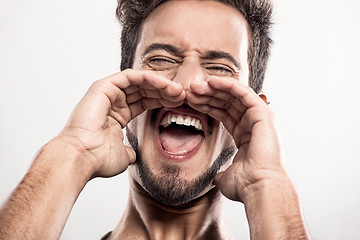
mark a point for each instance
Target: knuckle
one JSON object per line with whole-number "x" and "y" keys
{"x": 127, "y": 71}
{"x": 102, "y": 85}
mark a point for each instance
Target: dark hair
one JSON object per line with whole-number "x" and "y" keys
{"x": 258, "y": 13}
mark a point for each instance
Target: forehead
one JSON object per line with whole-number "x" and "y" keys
{"x": 197, "y": 25}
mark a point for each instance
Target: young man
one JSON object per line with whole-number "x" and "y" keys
{"x": 195, "y": 131}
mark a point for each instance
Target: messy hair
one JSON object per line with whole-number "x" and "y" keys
{"x": 258, "y": 13}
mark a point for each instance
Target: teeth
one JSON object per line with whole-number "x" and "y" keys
{"x": 193, "y": 120}
{"x": 181, "y": 120}
{"x": 198, "y": 124}
{"x": 187, "y": 121}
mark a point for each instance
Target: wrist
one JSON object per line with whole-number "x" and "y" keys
{"x": 63, "y": 156}
{"x": 273, "y": 209}
{"x": 267, "y": 187}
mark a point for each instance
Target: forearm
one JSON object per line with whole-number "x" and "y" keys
{"x": 274, "y": 212}
{"x": 39, "y": 206}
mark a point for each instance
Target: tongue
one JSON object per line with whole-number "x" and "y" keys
{"x": 179, "y": 140}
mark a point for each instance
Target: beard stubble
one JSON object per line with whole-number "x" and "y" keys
{"x": 169, "y": 188}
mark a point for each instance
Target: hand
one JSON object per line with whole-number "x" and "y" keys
{"x": 95, "y": 126}
{"x": 252, "y": 125}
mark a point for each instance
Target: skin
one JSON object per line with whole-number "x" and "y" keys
{"x": 91, "y": 145}
{"x": 193, "y": 66}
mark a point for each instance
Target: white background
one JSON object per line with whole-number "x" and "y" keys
{"x": 51, "y": 51}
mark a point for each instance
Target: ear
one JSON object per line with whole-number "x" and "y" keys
{"x": 262, "y": 95}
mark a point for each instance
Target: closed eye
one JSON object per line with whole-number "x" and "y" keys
{"x": 161, "y": 63}
{"x": 219, "y": 69}
{"x": 161, "y": 60}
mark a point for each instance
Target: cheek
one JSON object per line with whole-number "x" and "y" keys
{"x": 137, "y": 126}
{"x": 221, "y": 141}
{"x": 169, "y": 72}
{"x": 225, "y": 140}
{"x": 132, "y": 126}
{"x": 227, "y": 136}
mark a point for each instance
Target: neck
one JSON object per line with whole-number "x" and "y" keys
{"x": 145, "y": 218}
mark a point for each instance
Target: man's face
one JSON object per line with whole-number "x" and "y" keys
{"x": 179, "y": 149}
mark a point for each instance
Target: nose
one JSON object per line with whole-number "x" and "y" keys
{"x": 189, "y": 72}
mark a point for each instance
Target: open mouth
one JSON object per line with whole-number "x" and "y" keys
{"x": 181, "y": 132}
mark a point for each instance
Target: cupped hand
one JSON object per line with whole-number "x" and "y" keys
{"x": 95, "y": 126}
{"x": 252, "y": 125}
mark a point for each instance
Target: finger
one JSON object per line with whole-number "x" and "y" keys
{"x": 234, "y": 107}
{"x": 216, "y": 87}
{"x": 142, "y": 93}
{"x": 204, "y": 93}
{"x": 131, "y": 154}
{"x": 211, "y": 96}
{"x": 245, "y": 93}
{"x": 145, "y": 90}
{"x": 235, "y": 127}
{"x": 101, "y": 99}
{"x": 143, "y": 104}
{"x": 140, "y": 106}
{"x": 206, "y": 99}
{"x": 217, "y": 178}
{"x": 217, "y": 113}
{"x": 152, "y": 94}
{"x": 140, "y": 84}
{"x": 204, "y": 89}
{"x": 147, "y": 80}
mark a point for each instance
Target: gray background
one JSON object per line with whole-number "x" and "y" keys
{"x": 51, "y": 51}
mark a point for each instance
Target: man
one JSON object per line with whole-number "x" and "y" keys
{"x": 195, "y": 131}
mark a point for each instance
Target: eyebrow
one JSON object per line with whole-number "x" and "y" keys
{"x": 210, "y": 55}
{"x": 162, "y": 46}
{"x": 213, "y": 55}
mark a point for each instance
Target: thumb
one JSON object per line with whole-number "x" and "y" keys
{"x": 131, "y": 155}
{"x": 217, "y": 178}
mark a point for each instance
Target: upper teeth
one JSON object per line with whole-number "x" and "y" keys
{"x": 181, "y": 120}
